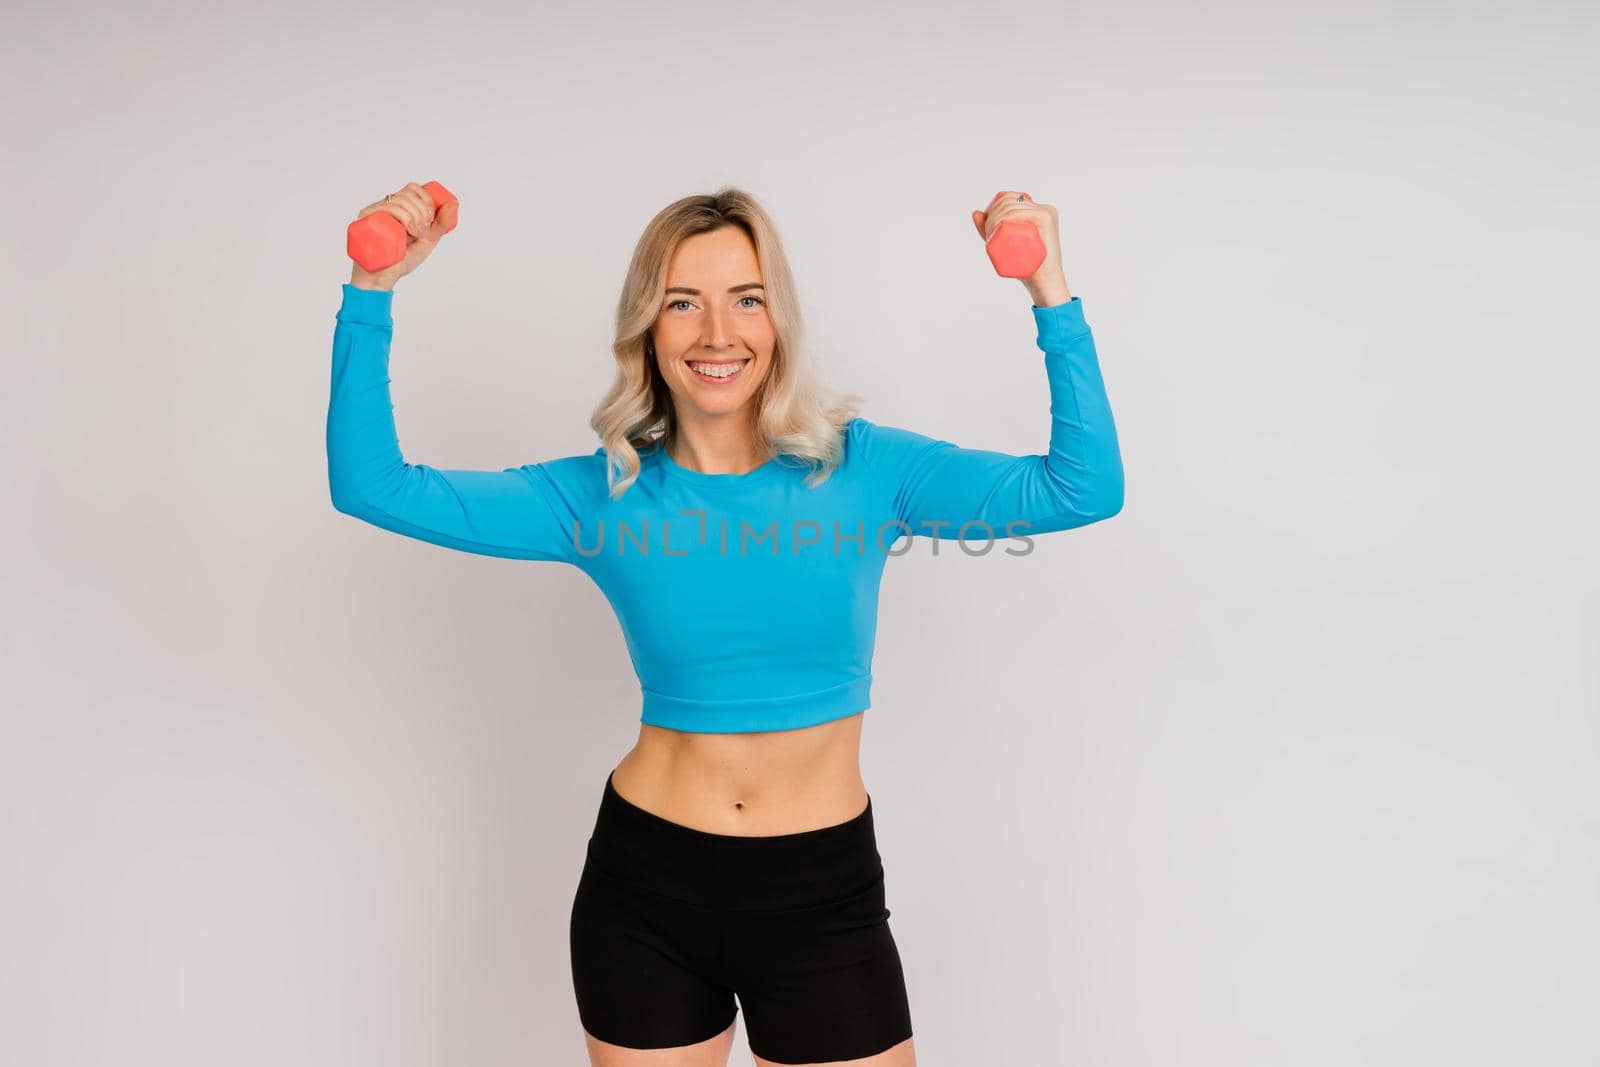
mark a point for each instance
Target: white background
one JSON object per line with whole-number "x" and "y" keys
{"x": 1292, "y": 762}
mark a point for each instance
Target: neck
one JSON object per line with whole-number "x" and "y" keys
{"x": 716, "y": 446}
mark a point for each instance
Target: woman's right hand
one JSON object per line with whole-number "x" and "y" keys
{"x": 414, "y": 208}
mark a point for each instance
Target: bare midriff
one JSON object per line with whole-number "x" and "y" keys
{"x": 748, "y": 784}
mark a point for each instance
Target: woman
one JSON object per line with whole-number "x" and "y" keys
{"x": 738, "y": 520}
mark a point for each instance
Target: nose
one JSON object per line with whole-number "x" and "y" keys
{"x": 717, "y": 331}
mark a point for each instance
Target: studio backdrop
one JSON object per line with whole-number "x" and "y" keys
{"x": 1293, "y": 761}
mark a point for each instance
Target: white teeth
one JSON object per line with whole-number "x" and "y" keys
{"x": 712, "y": 370}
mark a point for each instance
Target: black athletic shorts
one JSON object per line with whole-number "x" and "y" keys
{"x": 670, "y": 924}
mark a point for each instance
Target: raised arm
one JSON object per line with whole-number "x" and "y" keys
{"x": 937, "y": 486}
{"x": 516, "y": 513}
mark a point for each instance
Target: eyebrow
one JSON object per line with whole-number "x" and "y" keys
{"x": 735, "y": 289}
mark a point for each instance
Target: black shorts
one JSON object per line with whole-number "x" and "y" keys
{"x": 670, "y": 923}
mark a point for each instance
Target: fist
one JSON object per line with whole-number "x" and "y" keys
{"x": 1005, "y": 207}
{"x": 424, "y": 225}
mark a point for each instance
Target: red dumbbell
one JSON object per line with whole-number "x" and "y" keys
{"x": 378, "y": 240}
{"x": 1015, "y": 248}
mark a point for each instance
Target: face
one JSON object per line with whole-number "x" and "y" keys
{"x": 714, "y": 317}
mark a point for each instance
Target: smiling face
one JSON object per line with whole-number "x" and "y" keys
{"x": 713, "y": 337}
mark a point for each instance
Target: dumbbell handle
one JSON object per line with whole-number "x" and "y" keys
{"x": 378, "y": 240}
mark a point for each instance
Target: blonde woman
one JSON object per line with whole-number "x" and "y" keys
{"x": 737, "y": 517}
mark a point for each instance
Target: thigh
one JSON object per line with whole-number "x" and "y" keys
{"x": 709, "y": 1053}
{"x": 643, "y": 966}
{"x": 822, "y": 984}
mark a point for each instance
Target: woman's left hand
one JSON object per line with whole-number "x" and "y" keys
{"x": 1048, "y": 284}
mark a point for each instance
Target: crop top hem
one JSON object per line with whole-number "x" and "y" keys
{"x": 762, "y": 713}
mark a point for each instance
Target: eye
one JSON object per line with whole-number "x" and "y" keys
{"x": 673, "y": 306}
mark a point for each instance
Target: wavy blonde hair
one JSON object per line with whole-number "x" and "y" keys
{"x": 797, "y": 416}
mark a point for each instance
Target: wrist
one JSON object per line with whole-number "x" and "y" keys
{"x": 1050, "y": 292}
{"x": 363, "y": 280}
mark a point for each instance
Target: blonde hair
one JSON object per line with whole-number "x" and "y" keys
{"x": 796, "y": 414}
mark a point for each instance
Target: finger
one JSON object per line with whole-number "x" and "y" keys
{"x": 436, "y": 222}
{"x": 390, "y": 207}
{"x": 997, "y": 215}
{"x": 1000, "y": 205}
{"x": 1009, "y": 196}
{"x": 401, "y": 205}
{"x": 377, "y": 205}
{"x": 421, "y": 209}
{"x": 1011, "y": 208}
{"x": 396, "y": 207}
{"x": 406, "y": 212}
{"x": 425, "y": 209}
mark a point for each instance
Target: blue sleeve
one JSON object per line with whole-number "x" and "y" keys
{"x": 516, "y": 513}
{"x": 937, "y": 486}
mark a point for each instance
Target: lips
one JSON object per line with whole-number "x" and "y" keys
{"x": 708, "y": 379}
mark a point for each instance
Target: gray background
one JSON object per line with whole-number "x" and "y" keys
{"x": 1294, "y": 761}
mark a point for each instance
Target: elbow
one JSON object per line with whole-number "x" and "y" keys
{"x": 1104, "y": 499}
{"x": 1087, "y": 506}
{"x": 351, "y": 489}
{"x": 1099, "y": 507}
{"x": 1108, "y": 500}
{"x": 344, "y": 498}
{"x": 1093, "y": 499}
{"x": 344, "y": 505}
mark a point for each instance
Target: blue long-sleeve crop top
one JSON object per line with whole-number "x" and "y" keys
{"x": 747, "y": 601}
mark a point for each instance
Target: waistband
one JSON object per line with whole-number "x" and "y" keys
{"x": 734, "y": 871}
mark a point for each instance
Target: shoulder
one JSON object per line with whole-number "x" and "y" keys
{"x": 885, "y": 448}
{"x": 577, "y": 478}
{"x": 577, "y": 466}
